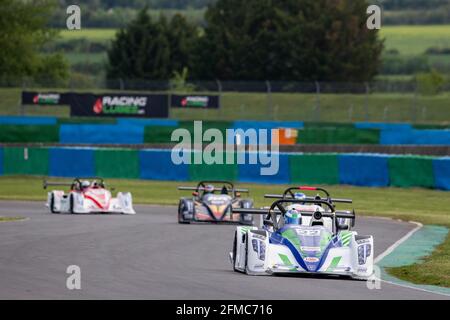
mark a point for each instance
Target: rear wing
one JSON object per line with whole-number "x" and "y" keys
{"x": 202, "y": 189}
{"x": 278, "y": 209}
{"x": 288, "y": 194}
{"x": 46, "y": 184}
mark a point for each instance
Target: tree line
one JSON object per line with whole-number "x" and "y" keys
{"x": 252, "y": 40}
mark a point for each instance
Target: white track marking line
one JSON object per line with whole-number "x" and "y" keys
{"x": 398, "y": 242}
{"x": 393, "y": 247}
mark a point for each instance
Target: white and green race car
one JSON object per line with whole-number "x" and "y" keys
{"x": 286, "y": 244}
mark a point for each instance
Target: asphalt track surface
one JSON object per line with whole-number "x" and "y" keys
{"x": 151, "y": 256}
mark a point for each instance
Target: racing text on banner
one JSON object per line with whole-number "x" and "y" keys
{"x": 119, "y": 105}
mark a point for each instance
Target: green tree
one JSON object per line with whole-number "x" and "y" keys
{"x": 151, "y": 50}
{"x": 288, "y": 40}
{"x": 23, "y": 32}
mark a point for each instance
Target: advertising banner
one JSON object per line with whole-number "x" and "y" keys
{"x": 195, "y": 101}
{"x": 44, "y": 98}
{"x": 119, "y": 105}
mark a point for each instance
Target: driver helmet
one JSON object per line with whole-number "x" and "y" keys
{"x": 299, "y": 196}
{"x": 85, "y": 183}
{"x": 209, "y": 188}
{"x": 292, "y": 216}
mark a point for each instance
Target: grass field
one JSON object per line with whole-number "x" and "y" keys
{"x": 406, "y": 39}
{"x": 413, "y": 40}
{"x": 422, "y": 205}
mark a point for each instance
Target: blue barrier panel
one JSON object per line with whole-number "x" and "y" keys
{"x": 28, "y": 120}
{"x": 383, "y": 126}
{"x": 68, "y": 162}
{"x": 148, "y": 122}
{"x": 158, "y": 165}
{"x": 415, "y": 137}
{"x": 363, "y": 170}
{"x": 101, "y": 133}
{"x": 1, "y": 161}
{"x": 441, "y": 170}
{"x": 248, "y": 124}
{"x": 252, "y": 172}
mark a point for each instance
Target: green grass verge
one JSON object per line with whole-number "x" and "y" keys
{"x": 422, "y": 205}
{"x": 432, "y": 270}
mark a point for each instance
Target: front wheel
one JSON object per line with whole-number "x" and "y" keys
{"x": 52, "y": 203}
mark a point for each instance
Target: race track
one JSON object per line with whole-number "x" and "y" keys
{"x": 151, "y": 256}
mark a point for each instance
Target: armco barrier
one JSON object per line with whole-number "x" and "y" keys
{"x": 415, "y": 137}
{"x": 252, "y": 172}
{"x": 246, "y": 124}
{"x": 441, "y": 169}
{"x": 114, "y": 134}
{"x": 198, "y": 172}
{"x": 148, "y": 122}
{"x": 68, "y": 162}
{"x": 363, "y": 170}
{"x": 116, "y": 163}
{"x": 158, "y": 134}
{"x": 314, "y": 168}
{"x": 411, "y": 172}
{"x": 29, "y": 133}
{"x": 158, "y": 165}
{"x": 338, "y": 136}
{"x": 33, "y": 161}
{"x": 1, "y": 161}
{"x": 21, "y": 120}
{"x": 352, "y": 169}
{"x": 383, "y": 126}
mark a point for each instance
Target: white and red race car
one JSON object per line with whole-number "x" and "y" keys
{"x": 87, "y": 196}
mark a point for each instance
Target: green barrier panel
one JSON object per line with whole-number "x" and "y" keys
{"x": 314, "y": 169}
{"x": 29, "y": 133}
{"x": 338, "y": 136}
{"x": 117, "y": 163}
{"x": 32, "y": 161}
{"x": 411, "y": 172}
{"x": 158, "y": 134}
{"x": 204, "y": 171}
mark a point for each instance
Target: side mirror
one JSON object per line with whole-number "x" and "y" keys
{"x": 268, "y": 222}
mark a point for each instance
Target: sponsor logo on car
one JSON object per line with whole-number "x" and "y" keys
{"x": 311, "y": 259}
{"x": 310, "y": 249}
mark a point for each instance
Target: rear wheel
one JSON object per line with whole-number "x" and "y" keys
{"x": 235, "y": 252}
{"x": 71, "y": 204}
{"x": 181, "y": 208}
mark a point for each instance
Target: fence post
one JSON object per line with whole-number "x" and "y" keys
{"x": 121, "y": 84}
{"x": 21, "y": 106}
{"x": 219, "y": 88}
{"x": 317, "y": 109}
{"x": 366, "y": 102}
{"x": 269, "y": 98}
